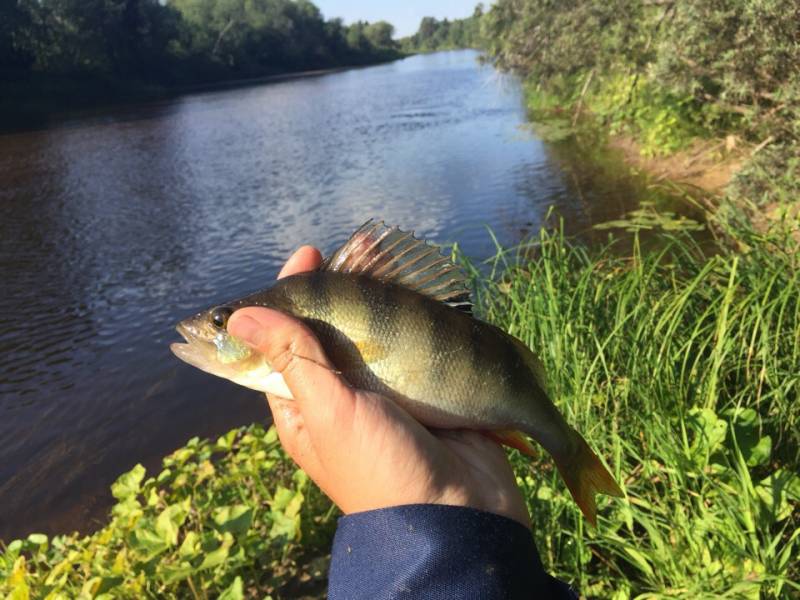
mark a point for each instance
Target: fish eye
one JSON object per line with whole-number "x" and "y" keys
{"x": 220, "y": 316}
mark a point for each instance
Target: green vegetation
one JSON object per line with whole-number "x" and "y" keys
{"x": 77, "y": 50}
{"x": 678, "y": 365}
{"x": 222, "y": 519}
{"x": 435, "y": 35}
{"x": 668, "y": 73}
{"x": 712, "y": 66}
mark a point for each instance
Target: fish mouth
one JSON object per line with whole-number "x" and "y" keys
{"x": 186, "y": 333}
{"x": 196, "y": 351}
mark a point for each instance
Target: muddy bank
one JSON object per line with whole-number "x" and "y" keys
{"x": 707, "y": 165}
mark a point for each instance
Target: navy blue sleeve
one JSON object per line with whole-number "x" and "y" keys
{"x": 437, "y": 552}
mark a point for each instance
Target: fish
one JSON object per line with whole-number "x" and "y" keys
{"x": 394, "y": 317}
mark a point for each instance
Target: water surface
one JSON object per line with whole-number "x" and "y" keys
{"x": 116, "y": 224}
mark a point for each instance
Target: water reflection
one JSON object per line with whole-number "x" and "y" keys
{"x": 115, "y": 226}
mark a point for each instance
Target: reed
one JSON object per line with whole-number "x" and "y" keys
{"x": 680, "y": 366}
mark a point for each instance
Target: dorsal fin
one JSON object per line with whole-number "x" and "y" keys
{"x": 394, "y": 256}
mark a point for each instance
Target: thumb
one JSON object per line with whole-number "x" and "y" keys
{"x": 324, "y": 398}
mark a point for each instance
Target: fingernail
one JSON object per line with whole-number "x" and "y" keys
{"x": 245, "y": 328}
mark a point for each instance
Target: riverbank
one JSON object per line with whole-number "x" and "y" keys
{"x": 728, "y": 177}
{"x": 677, "y": 365}
{"x": 56, "y": 56}
{"x": 695, "y": 94}
{"x": 706, "y": 165}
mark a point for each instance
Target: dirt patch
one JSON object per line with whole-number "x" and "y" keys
{"x": 706, "y": 164}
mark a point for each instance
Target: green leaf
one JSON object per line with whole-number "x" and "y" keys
{"x": 218, "y": 556}
{"x": 170, "y": 520}
{"x": 284, "y": 526}
{"x": 127, "y": 508}
{"x": 745, "y": 432}
{"x": 281, "y": 498}
{"x": 235, "y": 519}
{"x": 128, "y": 483}
{"x": 107, "y": 584}
{"x": 294, "y": 506}
{"x": 234, "y": 592}
{"x": 777, "y": 491}
{"x": 272, "y": 436}
{"x": 300, "y": 478}
{"x": 190, "y": 546}
{"x": 37, "y": 539}
{"x": 709, "y": 431}
{"x": 149, "y": 543}
{"x": 759, "y": 454}
{"x": 225, "y": 442}
{"x": 10, "y": 555}
{"x": 178, "y": 572}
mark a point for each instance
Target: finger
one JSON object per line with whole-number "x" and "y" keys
{"x": 293, "y": 435}
{"x": 324, "y": 399}
{"x": 305, "y": 258}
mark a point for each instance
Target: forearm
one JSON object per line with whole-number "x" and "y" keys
{"x": 437, "y": 552}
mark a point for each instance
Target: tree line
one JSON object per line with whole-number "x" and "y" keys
{"x": 180, "y": 41}
{"x": 445, "y": 34}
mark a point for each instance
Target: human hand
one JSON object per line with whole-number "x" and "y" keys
{"x": 362, "y": 449}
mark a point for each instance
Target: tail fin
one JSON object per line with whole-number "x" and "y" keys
{"x": 586, "y": 476}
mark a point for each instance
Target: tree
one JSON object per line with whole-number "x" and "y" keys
{"x": 380, "y": 34}
{"x": 16, "y": 25}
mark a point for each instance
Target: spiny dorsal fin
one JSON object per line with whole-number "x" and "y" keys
{"x": 394, "y": 256}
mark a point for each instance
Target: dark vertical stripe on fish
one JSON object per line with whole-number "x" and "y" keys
{"x": 475, "y": 348}
{"x": 319, "y": 295}
{"x": 383, "y": 318}
{"x": 454, "y": 349}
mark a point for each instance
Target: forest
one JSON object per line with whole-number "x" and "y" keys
{"x": 446, "y": 34}
{"x": 102, "y": 49}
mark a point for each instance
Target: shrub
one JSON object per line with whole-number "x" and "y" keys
{"x": 228, "y": 519}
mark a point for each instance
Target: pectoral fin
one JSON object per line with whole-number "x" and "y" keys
{"x": 371, "y": 350}
{"x": 513, "y": 439}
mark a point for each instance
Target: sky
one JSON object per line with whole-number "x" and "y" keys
{"x": 405, "y": 15}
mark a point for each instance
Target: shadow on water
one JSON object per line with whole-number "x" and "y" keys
{"x": 115, "y": 226}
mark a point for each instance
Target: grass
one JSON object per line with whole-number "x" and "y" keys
{"x": 678, "y": 366}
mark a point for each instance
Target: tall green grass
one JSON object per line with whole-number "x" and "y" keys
{"x": 682, "y": 369}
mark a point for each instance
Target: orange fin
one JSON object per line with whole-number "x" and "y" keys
{"x": 513, "y": 439}
{"x": 586, "y": 476}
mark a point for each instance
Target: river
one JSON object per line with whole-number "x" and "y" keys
{"x": 116, "y": 223}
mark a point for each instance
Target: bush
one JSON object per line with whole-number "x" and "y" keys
{"x": 736, "y": 65}
{"x": 228, "y": 519}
